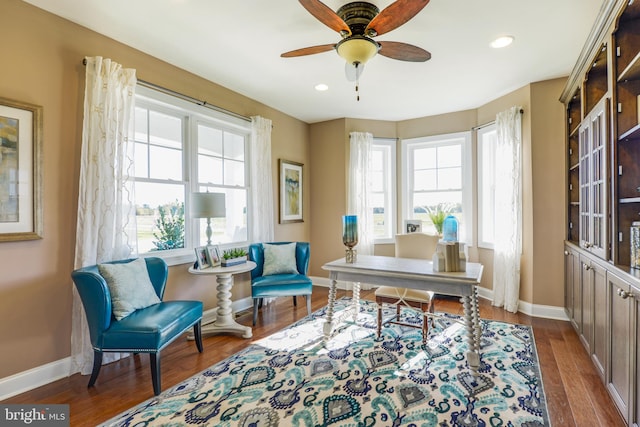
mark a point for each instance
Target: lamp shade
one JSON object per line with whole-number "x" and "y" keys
{"x": 208, "y": 205}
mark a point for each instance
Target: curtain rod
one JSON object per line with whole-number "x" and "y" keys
{"x": 186, "y": 97}
{"x": 492, "y": 122}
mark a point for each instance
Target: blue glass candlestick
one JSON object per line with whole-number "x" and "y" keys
{"x": 350, "y": 237}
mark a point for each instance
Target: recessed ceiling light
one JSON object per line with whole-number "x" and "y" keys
{"x": 322, "y": 87}
{"x": 502, "y": 41}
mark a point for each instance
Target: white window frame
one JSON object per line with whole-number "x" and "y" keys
{"x": 486, "y": 135}
{"x": 194, "y": 114}
{"x": 388, "y": 148}
{"x": 464, "y": 138}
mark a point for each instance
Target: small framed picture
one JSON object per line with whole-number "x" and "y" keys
{"x": 202, "y": 257}
{"x": 412, "y": 226}
{"x": 214, "y": 255}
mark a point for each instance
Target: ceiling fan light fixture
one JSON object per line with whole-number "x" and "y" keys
{"x": 502, "y": 41}
{"x": 357, "y": 49}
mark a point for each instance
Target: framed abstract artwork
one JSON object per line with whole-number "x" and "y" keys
{"x": 290, "y": 191}
{"x": 20, "y": 171}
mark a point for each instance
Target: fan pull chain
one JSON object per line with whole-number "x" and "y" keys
{"x": 357, "y": 64}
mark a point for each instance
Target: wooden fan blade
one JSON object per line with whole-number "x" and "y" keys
{"x": 403, "y": 52}
{"x": 394, "y": 15}
{"x": 309, "y": 50}
{"x": 324, "y": 14}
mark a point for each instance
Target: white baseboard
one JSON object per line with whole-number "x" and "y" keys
{"x": 237, "y": 306}
{"x": 543, "y": 311}
{"x": 45, "y": 374}
{"x": 533, "y": 310}
{"x": 33, "y": 378}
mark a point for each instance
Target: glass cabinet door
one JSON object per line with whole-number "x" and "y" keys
{"x": 593, "y": 181}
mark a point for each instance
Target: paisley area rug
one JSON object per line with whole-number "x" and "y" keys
{"x": 356, "y": 379}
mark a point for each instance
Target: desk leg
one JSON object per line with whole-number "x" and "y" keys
{"x": 225, "y": 321}
{"x": 356, "y": 300}
{"x": 473, "y": 355}
{"x": 328, "y": 326}
{"x": 476, "y": 320}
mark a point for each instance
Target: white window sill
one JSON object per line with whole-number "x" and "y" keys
{"x": 176, "y": 257}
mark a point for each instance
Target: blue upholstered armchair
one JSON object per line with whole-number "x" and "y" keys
{"x": 277, "y": 275}
{"x": 144, "y": 330}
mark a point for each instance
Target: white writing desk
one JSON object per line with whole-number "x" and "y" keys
{"x": 413, "y": 274}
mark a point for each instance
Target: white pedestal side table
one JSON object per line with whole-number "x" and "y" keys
{"x": 225, "y": 323}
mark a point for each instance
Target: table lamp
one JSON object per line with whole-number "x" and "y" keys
{"x": 208, "y": 205}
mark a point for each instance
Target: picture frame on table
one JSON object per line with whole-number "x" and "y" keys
{"x": 20, "y": 171}
{"x": 214, "y": 255}
{"x": 291, "y": 185}
{"x": 412, "y": 226}
{"x": 202, "y": 258}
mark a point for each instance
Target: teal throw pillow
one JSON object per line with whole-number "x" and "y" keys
{"x": 279, "y": 259}
{"x": 130, "y": 287}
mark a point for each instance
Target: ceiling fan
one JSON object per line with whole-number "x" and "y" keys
{"x": 358, "y": 22}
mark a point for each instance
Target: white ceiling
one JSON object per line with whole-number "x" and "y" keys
{"x": 237, "y": 44}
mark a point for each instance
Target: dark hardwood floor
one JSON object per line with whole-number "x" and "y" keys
{"x": 575, "y": 395}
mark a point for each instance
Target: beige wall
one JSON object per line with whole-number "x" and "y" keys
{"x": 542, "y": 271}
{"x": 330, "y": 163}
{"x": 328, "y": 192}
{"x": 43, "y": 66}
{"x": 459, "y": 121}
{"x": 548, "y": 157}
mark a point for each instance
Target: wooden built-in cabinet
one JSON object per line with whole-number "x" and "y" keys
{"x": 618, "y": 376}
{"x": 574, "y": 117}
{"x": 602, "y": 291}
{"x": 634, "y": 346}
{"x": 597, "y": 273}
{"x": 573, "y": 287}
{"x": 585, "y": 284}
{"x": 596, "y": 82}
{"x": 587, "y": 148}
{"x": 627, "y": 127}
{"x": 603, "y": 305}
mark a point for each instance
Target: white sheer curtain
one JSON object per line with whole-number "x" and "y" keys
{"x": 106, "y": 210}
{"x": 261, "y": 181}
{"x": 508, "y": 210}
{"x": 359, "y": 196}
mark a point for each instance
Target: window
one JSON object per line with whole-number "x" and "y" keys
{"x": 486, "y": 185}
{"x": 182, "y": 148}
{"x": 383, "y": 172}
{"x": 222, "y": 168}
{"x": 437, "y": 177}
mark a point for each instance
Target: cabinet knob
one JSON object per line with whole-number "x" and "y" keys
{"x": 586, "y": 267}
{"x": 587, "y": 245}
{"x": 623, "y": 294}
{"x": 566, "y": 253}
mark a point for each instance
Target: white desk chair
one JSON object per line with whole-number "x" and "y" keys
{"x": 413, "y": 245}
